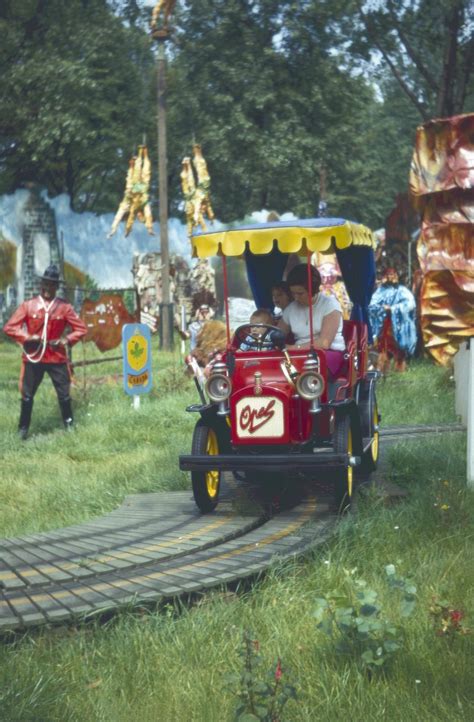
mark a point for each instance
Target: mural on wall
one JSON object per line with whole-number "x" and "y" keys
{"x": 104, "y": 319}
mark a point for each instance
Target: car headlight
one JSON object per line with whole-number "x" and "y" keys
{"x": 218, "y": 387}
{"x": 310, "y": 385}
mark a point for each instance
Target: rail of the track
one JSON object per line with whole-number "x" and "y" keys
{"x": 156, "y": 546}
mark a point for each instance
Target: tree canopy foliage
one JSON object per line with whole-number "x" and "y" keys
{"x": 72, "y": 99}
{"x": 427, "y": 46}
{"x": 280, "y": 93}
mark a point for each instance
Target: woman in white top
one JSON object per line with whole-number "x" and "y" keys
{"x": 326, "y": 311}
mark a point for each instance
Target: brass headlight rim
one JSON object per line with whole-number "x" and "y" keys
{"x": 303, "y": 376}
{"x": 213, "y": 377}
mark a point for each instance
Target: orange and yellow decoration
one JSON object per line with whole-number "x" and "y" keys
{"x": 442, "y": 183}
{"x": 195, "y": 184}
{"x": 136, "y": 199}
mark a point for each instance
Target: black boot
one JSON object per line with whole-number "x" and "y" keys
{"x": 25, "y": 417}
{"x": 66, "y": 413}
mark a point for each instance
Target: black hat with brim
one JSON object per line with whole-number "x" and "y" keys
{"x": 51, "y": 274}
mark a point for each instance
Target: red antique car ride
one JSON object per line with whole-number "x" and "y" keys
{"x": 280, "y": 410}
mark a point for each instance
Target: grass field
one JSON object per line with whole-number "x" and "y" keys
{"x": 173, "y": 662}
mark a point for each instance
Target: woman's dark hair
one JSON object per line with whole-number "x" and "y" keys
{"x": 283, "y": 286}
{"x": 298, "y": 276}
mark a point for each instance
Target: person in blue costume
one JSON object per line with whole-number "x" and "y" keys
{"x": 392, "y": 314}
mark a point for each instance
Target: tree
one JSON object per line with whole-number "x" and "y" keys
{"x": 72, "y": 93}
{"x": 427, "y": 46}
{"x": 259, "y": 85}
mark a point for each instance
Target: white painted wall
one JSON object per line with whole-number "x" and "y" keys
{"x": 464, "y": 380}
{"x": 461, "y": 380}
{"x": 470, "y": 419}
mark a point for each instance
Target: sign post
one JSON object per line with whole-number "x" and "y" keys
{"x": 470, "y": 416}
{"x": 137, "y": 375}
{"x": 464, "y": 380}
{"x": 183, "y": 329}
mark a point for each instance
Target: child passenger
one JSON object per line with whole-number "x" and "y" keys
{"x": 252, "y": 342}
{"x": 281, "y": 297}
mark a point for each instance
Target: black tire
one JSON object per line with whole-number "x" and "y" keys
{"x": 343, "y": 477}
{"x": 206, "y": 484}
{"x": 370, "y": 422}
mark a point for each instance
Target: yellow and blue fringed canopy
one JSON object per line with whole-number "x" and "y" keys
{"x": 325, "y": 235}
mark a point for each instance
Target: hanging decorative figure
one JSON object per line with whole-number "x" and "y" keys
{"x": 392, "y": 316}
{"x": 136, "y": 200}
{"x": 164, "y": 7}
{"x": 196, "y": 187}
{"x": 188, "y": 186}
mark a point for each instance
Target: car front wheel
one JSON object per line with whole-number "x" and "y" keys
{"x": 206, "y": 484}
{"x": 344, "y": 478}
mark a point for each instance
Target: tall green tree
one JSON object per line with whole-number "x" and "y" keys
{"x": 259, "y": 85}
{"x": 278, "y": 93}
{"x": 427, "y": 46}
{"x": 72, "y": 90}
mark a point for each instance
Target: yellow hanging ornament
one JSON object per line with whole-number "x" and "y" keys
{"x": 136, "y": 199}
{"x": 196, "y": 190}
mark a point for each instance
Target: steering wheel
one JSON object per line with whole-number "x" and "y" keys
{"x": 243, "y": 334}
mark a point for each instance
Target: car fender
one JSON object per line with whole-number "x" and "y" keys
{"x": 350, "y": 408}
{"x": 220, "y": 424}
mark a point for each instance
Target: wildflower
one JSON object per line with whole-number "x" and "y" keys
{"x": 417, "y": 681}
{"x": 456, "y": 616}
{"x": 450, "y": 620}
{"x": 444, "y": 507}
{"x": 278, "y": 670}
{"x": 396, "y": 527}
{"x": 327, "y": 562}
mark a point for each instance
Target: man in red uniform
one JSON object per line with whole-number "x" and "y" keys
{"x": 39, "y": 325}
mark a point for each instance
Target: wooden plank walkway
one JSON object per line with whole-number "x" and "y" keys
{"x": 156, "y": 546}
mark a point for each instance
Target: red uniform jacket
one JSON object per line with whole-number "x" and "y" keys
{"x": 28, "y": 320}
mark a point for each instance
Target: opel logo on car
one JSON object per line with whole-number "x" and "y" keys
{"x": 253, "y": 419}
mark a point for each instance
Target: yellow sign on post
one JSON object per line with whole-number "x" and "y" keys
{"x": 137, "y": 375}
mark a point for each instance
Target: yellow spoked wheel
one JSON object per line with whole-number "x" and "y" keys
{"x": 212, "y": 477}
{"x": 369, "y": 415}
{"x": 374, "y": 449}
{"x": 350, "y": 469}
{"x": 343, "y": 476}
{"x": 206, "y": 484}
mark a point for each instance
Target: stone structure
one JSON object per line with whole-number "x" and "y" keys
{"x": 40, "y": 246}
{"x": 188, "y": 287}
{"x": 8, "y": 290}
{"x": 21, "y": 266}
{"x": 146, "y": 272}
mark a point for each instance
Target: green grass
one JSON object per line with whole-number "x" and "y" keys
{"x": 172, "y": 663}
{"x": 424, "y": 394}
{"x": 55, "y": 479}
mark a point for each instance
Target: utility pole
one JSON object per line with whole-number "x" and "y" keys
{"x": 160, "y": 35}
{"x": 322, "y": 205}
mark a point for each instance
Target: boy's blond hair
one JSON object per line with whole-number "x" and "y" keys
{"x": 262, "y": 315}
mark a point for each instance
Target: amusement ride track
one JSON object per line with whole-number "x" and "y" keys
{"x": 156, "y": 546}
